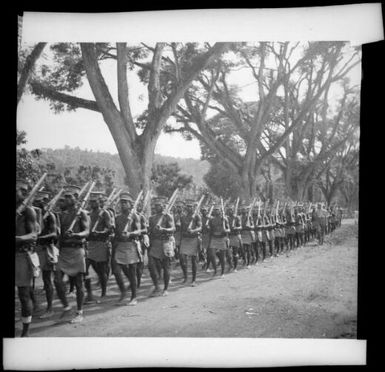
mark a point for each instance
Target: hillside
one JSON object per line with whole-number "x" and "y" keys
{"x": 73, "y": 157}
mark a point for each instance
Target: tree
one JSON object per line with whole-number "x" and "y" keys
{"x": 27, "y": 165}
{"x": 103, "y": 177}
{"x": 167, "y": 177}
{"x": 26, "y": 63}
{"x": 341, "y": 173}
{"x": 166, "y": 69}
{"x": 316, "y": 142}
{"x": 240, "y": 133}
{"x": 222, "y": 181}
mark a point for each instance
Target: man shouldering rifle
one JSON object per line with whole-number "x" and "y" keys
{"x": 162, "y": 242}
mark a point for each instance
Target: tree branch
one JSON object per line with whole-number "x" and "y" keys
{"x": 52, "y": 94}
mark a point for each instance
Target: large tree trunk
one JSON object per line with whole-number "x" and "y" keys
{"x": 246, "y": 192}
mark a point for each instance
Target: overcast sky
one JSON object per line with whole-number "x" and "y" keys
{"x": 87, "y": 130}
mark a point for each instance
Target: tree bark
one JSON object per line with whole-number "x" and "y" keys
{"x": 137, "y": 151}
{"x": 27, "y": 70}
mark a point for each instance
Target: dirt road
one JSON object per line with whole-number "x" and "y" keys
{"x": 312, "y": 293}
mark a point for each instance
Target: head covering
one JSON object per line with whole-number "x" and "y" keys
{"x": 96, "y": 195}
{"x": 189, "y": 202}
{"x": 159, "y": 200}
{"x": 243, "y": 204}
{"x": 125, "y": 195}
{"x": 71, "y": 190}
{"x": 41, "y": 195}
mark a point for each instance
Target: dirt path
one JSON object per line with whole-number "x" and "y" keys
{"x": 312, "y": 293}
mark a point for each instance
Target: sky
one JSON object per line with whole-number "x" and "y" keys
{"x": 86, "y": 129}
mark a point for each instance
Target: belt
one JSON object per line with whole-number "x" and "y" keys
{"x": 218, "y": 235}
{"x": 126, "y": 240}
{"x": 72, "y": 245}
{"x": 234, "y": 233}
{"x": 23, "y": 249}
{"x": 189, "y": 235}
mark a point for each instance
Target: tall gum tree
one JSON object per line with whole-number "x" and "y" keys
{"x": 238, "y": 134}
{"x": 135, "y": 139}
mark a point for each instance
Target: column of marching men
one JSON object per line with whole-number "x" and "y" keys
{"x": 68, "y": 234}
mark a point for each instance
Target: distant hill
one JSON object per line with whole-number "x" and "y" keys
{"x": 73, "y": 157}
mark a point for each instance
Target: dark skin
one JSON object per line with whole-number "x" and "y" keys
{"x": 217, "y": 214}
{"x": 159, "y": 209}
{"x": 189, "y": 212}
{"x": 43, "y": 204}
{"x": 249, "y": 223}
{"x": 30, "y": 217}
{"x": 96, "y": 206}
{"x": 70, "y": 203}
{"x": 230, "y": 213}
{"x": 126, "y": 207}
{"x": 144, "y": 230}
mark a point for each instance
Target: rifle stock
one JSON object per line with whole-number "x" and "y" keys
{"x": 209, "y": 215}
{"x": 169, "y": 205}
{"x": 107, "y": 204}
{"x": 52, "y": 203}
{"x": 30, "y": 196}
{"x": 196, "y": 211}
{"x": 133, "y": 210}
{"x": 235, "y": 212}
{"x": 83, "y": 189}
{"x": 81, "y": 206}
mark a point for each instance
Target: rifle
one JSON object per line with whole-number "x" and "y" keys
{"x": 107, "y": 204}
{"x": 277, "y": 212}
{"x": 235, "y": 212}
{"x": 250, "y": 211}
{"x": 29, "y": 198}
{"x": 81, "y": 206}
{"x": 291, "y": 212}
{"x": 146, "y": 199}
{"x": 209, "y": 215}
{"x": 52, "y": 203}
{"x": 115, "y": 198}
{"x": 83, "y": 189}
{"x": 264, "y": 211}
{"x": 223, "y": 215}
{"x": 168, "y": 207}
{"x": 110, "y": 197}
{"x": 309, "y": 209}
{"x": 133, "y": 210}
{"x": 196, "y": 211}
{"x": 259, "y": 210}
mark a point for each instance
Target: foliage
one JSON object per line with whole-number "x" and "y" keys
{"x": 167, "y": 178}
{"x": 290, "y": 79}
{"x": 27, "y": 162}
{"x": 222, "y": 181}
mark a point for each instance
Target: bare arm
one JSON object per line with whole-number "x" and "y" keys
{"x": 85, "y": 226}
{"x": 237, "y": 224}
{"x": 30, "y": 225}
{"x": 52, "y": 227}
{"x": 136, "y": 224}
{"x": 171, "y": 222}
{"x": 198, "y": 225}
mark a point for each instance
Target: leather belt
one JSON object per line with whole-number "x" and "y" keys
{"x": 72, "y": 245}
